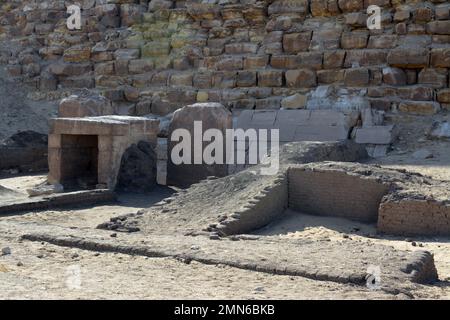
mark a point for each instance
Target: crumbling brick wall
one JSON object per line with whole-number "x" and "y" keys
{"x": 156, "y": 56}
{"x": 335, "y": 193}
{"x": 414, "y": 217}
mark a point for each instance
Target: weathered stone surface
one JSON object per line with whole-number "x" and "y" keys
{"x": 439, "y": 27}
{"x": 212, "y": 116}
{"x": 333, "y": 59}
{"x": 357, "y": 77}
{"x": 325, "y": 39}
{"x": 442, "y": 11}
{"x": 436, "y": 78}
{"x": 84, "y": 105}
{"x": 440, "y": 58}
{"x": 419, "y": 107}
{"x": 375, "y": 134}
{"x": 296, "y": 42}
{"x": 289, "y": 6}
{"x": 443, "y": 96}
{"x": 350, "y": 5}
{"x": 382, "y": 41}
{"x": 407, "y": 58}
{"x": 354, "y": 40}
{"x": 330, "y": 76}
{"x": 394, "y": 76}
{"x": 301, "y": 78}
{"x": 364, "y": 58}
{"x": 270, "y": 78}
{"x": 138, "y": 168}
{"x": 296, "y": 101}
{"x": 439, "y": 130}
{"x": 77, "y": 54}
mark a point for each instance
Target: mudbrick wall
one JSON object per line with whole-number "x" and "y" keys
{"x": 414, "y": 217}
{"x": 156, "y": 56}
{"x": 401, "y": 202}
{"x": 334, "y": 193}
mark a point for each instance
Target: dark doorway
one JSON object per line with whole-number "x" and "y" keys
{"x": 79, "y": 161}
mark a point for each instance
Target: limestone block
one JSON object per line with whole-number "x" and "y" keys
{"x": 375, "y": 134}
{"x": 407, "y": 58}
{"x": 84, "y": 106}
{"x": 212, "y": 116}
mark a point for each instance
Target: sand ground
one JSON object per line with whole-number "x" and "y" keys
{"x": 44, "y": 271}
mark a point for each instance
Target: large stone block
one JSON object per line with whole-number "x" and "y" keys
{"x": 440, "y": 58}
{"x": 351, "y": 5}
{"x": 408, "y": 58}
{"x": 270, "y": 78}
{"x": 375, "y": 134}
{"x": 333, "y": 59}
{"x": 212, "y": 116}
{"x": 78, "y": 53}
{"x": 356, "y": 77}
{"x": 419, "y": 107}
{"x": 365, "y": 58}
{"x": 296, "y": 42}
{"x": 301, "y": 78}
{"x": 354, "y": 40}
{"x": 78, "y": 106}
{"x": 394, "y": 76}
{"x": 437, "y": 78}
{"x": 439, "y": 27}
{"x": 312, "y": 60}
{"x": 326, "y": 39}
{"x": 289, "y": 6}
{"x": 443, "y": 96}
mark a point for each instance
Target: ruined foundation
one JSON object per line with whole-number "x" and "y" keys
{"x": 333, "y": 193}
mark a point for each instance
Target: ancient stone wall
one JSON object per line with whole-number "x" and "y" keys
{"x": 156, "y": 56}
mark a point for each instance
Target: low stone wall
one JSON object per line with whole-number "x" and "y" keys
{"x": 414, "y": 217}
{"x": 335, "y": 193}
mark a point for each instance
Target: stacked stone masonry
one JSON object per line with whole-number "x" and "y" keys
{"x": 156, "y": 56}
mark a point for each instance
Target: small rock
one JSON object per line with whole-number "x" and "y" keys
{"x": 414, "y": 244}
{"x": 6, "y": 251}
{"x": 19, "y": 264}
{"x": 40, "y": 256}
{"x": 194, "y": 247}
{"x": 214, "y": 236}
{"x": 113, "y": 235}
{"x": 439, "y": 130}
{"x": 75, "y": 255}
